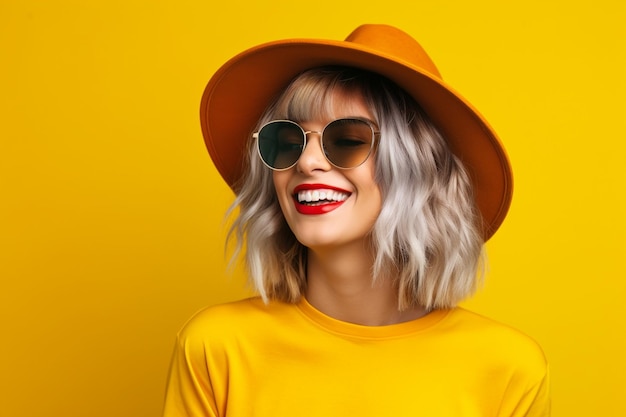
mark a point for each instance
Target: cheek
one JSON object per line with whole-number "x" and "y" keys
{"x": 375, "y": 202}
{"x": 367, "y": 178}
{"x": 280, "y": 180}
{"x": 372, "y": 191}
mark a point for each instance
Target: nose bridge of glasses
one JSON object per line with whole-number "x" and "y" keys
{"x": 309, "y": 132}
{"x": 318, "y": 155}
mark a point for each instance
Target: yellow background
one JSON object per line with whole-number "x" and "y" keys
{"x": 111, "y": 213}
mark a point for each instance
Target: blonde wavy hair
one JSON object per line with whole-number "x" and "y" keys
{"x": 427, "y": 238}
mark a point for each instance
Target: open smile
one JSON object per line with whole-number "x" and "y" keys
{"x": 318, "y": 198}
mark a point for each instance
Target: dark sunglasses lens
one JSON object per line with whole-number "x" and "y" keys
{"x": 348, "y": 142}
{"x": 280, "y": 144}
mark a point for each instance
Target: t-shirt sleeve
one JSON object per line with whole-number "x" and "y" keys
{"x": 189, "y": 391}
{"x": 534, "y": 402}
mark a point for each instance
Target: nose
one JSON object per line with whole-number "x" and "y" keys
{"x": 312, "y": 158}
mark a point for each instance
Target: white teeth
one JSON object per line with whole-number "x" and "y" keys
{"x": 313, "y": 196}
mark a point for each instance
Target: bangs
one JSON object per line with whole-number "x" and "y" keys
{"x": 311, "y": 95}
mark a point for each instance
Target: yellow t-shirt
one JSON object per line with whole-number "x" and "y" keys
{"x": 251, "y": 359}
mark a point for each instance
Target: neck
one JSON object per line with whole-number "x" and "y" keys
{"x": 340, "y": 284}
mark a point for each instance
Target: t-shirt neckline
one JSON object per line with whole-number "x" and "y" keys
{"x": 371, "y": 332}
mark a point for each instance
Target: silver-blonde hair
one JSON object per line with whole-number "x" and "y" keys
{"x": 427, "y": 238}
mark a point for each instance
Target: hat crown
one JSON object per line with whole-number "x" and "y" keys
{"x": 392, "y": 41}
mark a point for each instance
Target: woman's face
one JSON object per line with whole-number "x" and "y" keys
{"x": 346, "y": 202}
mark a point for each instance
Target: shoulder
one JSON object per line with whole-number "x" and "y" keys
{"x": 503, "y": 344}
{"x": 492, "y": 333}
{"x": 231, "y": 320}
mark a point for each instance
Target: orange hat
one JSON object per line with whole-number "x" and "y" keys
{"x": 240, "y": 91}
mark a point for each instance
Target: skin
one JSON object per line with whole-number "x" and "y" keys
{"x": 340, "y": 255}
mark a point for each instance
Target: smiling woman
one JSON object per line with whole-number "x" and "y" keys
{"x": 365, "y": 195}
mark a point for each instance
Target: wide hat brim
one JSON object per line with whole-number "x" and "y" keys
{"x": 240, "y": 91}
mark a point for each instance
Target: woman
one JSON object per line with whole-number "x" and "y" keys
{"x": 366, "y": 188}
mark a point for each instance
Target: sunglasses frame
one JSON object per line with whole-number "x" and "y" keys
{"x": 372, "y": 126}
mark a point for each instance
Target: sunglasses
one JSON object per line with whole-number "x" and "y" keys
{"x": 347, "y": 143}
